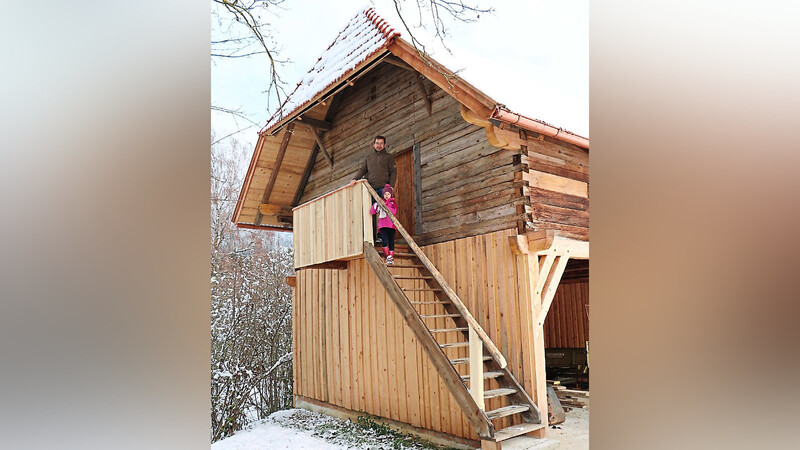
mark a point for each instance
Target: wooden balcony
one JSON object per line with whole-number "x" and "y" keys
{"x": 333, "y": 226}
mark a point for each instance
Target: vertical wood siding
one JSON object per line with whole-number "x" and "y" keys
{"x": 332, "y": 227}
{"x": 567, "y": 324}
{"x": 355, "y": 351}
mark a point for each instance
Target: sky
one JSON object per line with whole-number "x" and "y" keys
{"x": 531, "y": 55}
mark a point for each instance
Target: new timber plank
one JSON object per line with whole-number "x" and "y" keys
{"x": 344, "y": 340}
{"x": 446, "y": 372}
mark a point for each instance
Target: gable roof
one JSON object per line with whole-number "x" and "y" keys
{"x": 365, "y": 35}
{"x": 275, "y": 175}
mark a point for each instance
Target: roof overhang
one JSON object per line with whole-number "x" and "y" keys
{"x": 285, "y": 153}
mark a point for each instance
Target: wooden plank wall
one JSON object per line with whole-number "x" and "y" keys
{"x": 557, "y": 181}
{"x": 567, "y": 324}
{"x": 332, "y": 227}
{"x": 355, "y": 351}
{"x": 467, "y": 184}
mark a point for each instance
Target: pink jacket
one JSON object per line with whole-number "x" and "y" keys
{"x": 383, "y": 219}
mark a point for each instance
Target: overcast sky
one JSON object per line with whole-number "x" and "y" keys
{"x": 532, "y": 55}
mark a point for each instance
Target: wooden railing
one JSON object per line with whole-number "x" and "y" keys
{"x": 333, "y": 226}
{"x": 474, "y": 327}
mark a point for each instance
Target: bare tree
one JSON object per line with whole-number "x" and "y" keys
{"x": 248, "y": 34}
{"x": 251, "y": 310}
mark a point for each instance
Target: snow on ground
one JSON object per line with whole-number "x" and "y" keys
{"x": 267, "y": 434}
{"x": 573, "y": 434}
{"x": 301, "y": 429}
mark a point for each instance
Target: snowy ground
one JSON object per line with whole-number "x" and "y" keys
{"x": 301, "y": 429}
{"x": 573, "y": 434}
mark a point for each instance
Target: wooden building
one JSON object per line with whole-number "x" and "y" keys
{"x": 492, "y": 206}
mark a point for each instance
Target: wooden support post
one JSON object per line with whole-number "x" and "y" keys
{"x": 425, "y": 97}
{"x": 325, "y": 153}
{"x": 476, "y": 368}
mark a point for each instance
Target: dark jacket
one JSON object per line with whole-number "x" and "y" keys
{"x": 380, "y": 169}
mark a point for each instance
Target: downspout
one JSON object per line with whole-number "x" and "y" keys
{"x": 504, "y": 115}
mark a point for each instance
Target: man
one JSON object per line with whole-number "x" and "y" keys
{"x": 379, "y": 168}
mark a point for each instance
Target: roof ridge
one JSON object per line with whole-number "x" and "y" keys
{"x": 383, "y": 26}
{"x": 355, "y": 28}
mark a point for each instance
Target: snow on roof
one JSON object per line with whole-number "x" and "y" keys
{"x": 368, "y": 33}
{"x": 365, "y": 35}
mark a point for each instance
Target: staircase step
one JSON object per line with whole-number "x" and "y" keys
{"x": 486, "y": 375}
{"x": 440, "y": 316}
{"x": 445, "y": 330}
{"x": 429, "y": 303}
{"x": 498, "y": 392}
{"x": 422, "y": 290}
{"x": 406, "y": 266}
{"x": 405, "y": 254}
{"x": 506, "y": 411}
{"x": 454, "y": 344}
{"x": 458, "y": 361}
{"x": 412, "y": 278}
{"x": 516, "y": 430}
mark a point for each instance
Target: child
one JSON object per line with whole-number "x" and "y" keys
{"x": 386, "y": 228}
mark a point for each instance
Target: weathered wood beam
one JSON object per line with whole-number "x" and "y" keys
{"x": 418, "y": 225}
{"x": 425, "y": 97}
{"x": 395, "y": 61}
{"x": 304, "y": 181}
{"x": 444, "y": 78}
{"x": 315, "y": 123}
{"x": 321, "y": 146}
{"x": 275, "y": 168}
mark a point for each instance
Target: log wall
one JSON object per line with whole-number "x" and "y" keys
{"x": 567, "y": 323}
{"x": 467, "y": 185}
{"x": 556, "y": 178}
{"x": 353, "y": 349}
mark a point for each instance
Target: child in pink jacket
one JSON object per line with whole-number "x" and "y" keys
{"x": 386, "y": 228}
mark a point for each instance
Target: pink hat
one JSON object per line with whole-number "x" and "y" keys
{"x": 388, "y": 189}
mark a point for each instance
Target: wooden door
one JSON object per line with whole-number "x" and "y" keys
{"x": 404, "y": 189}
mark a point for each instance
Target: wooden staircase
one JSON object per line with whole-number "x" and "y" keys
{"x": 485, "y": 361}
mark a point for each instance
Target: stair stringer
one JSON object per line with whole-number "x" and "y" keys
{"x": 521, "y": 396}
{"x": 452, "y": 380}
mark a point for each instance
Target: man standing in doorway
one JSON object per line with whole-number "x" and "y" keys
{"x": 379, "y": 168}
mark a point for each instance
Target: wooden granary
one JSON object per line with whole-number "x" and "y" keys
{"x": 492, "y": 207}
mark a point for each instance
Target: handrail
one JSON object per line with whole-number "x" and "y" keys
{"x": 315, "y": 199}
{"x": 490, "y": 346}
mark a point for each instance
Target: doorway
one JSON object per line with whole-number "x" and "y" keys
{"x": 406, "y": 188}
